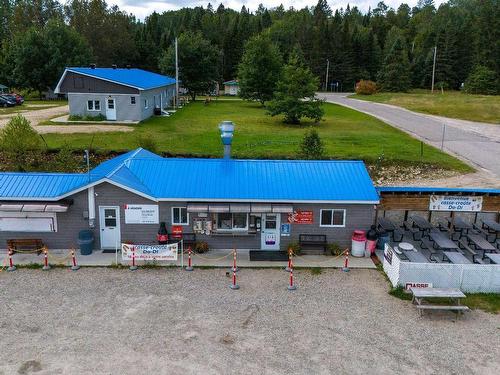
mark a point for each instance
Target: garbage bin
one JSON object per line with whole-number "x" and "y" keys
{"x": 383, "y": 238}
{"x": 358, "y": 243}
{"x": 86, "y": 241}
{"x": 371, "y": 241}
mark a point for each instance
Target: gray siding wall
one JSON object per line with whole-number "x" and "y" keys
{"x": 78, "y": 83}
{"x": 68, "y": 225}
{"x": 71, "y": 222}
{"x": 357, "y": 217}
{"x": 155, "y": 98}
{"x": 125, "y": 111}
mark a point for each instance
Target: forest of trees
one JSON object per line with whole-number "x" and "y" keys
{"x": 39, "y": 37}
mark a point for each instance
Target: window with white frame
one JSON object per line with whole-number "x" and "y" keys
{"x": 132, "y": 100}
{"x": 93, "y": 105}
{"x": 232, "y": 222}
{"x": 28, "y": 222}
{"x": 180, "y": 216}
{"x": 146, "y": 104}
{"x": 332, "y": 218}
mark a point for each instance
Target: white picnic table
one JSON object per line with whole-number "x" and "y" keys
{"x": 420, "y": 295}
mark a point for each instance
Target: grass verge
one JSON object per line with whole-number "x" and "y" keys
{"x": 453, "y": 104}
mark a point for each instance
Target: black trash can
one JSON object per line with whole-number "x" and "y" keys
{"x": 86, "y": 241}
{"x": 383, "y": 238}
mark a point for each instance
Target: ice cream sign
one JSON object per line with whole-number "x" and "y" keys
{"x": 455, "y": 203}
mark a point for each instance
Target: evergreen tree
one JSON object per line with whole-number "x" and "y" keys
{"x": 259, "y": 70}
{"x": 395, "y": 72}
{"x": 295, "y": 94}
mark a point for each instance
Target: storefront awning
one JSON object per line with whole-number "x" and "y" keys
{"x": 283, "y": 209}
{"x": 218, "y": 208}
{"x": 34, "y": 207}
{"x": 236, "y": 208}
{"x": 191, "y": 207}
{"x": 261, "y": 208}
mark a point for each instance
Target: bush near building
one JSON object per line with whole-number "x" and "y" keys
{"x": 366, "y": 87}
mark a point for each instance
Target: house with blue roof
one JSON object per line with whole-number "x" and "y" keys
{"x": 118, "y": 94}
{"x": 247, "y": 204}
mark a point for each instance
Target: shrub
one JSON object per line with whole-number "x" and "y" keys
{"x": 147, "y": 142}
{"x": 335, "y": 248}
{"x": 311, "y": 146}
{"x": 201, "y": 247}
{"x": 99, "y": 117}
{"x": 482, "y": 80}
{"x": 65, "y": 160}
{"x": 365, "y": 87}
{"x": 21, "y": 142}
{"x": 295, "y": 246}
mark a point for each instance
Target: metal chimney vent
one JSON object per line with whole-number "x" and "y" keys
{"x": 226, "y": 134}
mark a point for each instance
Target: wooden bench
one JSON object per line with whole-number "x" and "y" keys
{"x": 427, "y": 244}
{"x": 465, "y": 246}
{"x": 313, "y": 240}
{"x": 421, "y": 295}
{"x": 415, "y": 232}
{"x": 25, "y": 244}
{"x": 458, "y": 308}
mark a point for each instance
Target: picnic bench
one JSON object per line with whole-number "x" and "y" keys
{"x": 460, "y": 225}
{"x": 455, "y": 257}
{"x": 421, "y": 295}
{"x": 462, "y": 244}
{"x": 26, "y": 244}
{"x": 429, "y": 245}
{"x": 492, "y": 227}
{"x": 421, "y": 223}
{"x": 415, "y": 233}
{"x": 494, "y": 258}
{"x": 441, "y": 241}
{"x": 480, "y": 243}
{"x": 313, "y": 240}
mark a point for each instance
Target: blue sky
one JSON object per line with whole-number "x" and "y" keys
{"x": 143, "y": 8}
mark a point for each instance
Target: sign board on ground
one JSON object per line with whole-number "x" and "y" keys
{"x": 150, "y": 252}
{"x": 301, "y": 217}
{"x": 455, "y": 203}
{"x": 141, "y": 214}
{"x": 409, "y": 285}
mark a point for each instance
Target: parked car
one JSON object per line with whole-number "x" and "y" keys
{"x": 10, "y": 97}
{"x": 6, "y": 102}
{"x": 19, "y": 98}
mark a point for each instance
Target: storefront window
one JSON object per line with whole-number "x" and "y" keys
{"x": 227, "y": 221}
{"x": 180, "y": 216}
{"x": 332, "y": 218}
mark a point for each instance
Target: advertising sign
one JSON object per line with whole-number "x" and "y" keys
{"x": 285, "y": 230}
{"x": 141, "y": 214}
{"x": 388, "y": 254}
{"x": 414, "y": 285}
{"x": 301, "y": 217}
{"x": 150, "y": 252}
{"x": 455, "y": 203}
{"x": 176, "y": 231}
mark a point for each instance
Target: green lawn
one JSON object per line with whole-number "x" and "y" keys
{"x": 347, "y": 134}
{"x": 454, "y": 104}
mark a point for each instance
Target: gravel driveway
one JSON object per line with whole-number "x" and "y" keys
{"x": 106, "y": 321}
{"x": 475, "y": 142}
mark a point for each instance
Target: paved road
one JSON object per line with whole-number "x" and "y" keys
{"x": 476, "y": 143}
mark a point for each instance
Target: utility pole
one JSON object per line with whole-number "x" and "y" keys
{"x": 176, "y": 76}
{"x": 434, "y": 69}
{"x": 327, "y": 69}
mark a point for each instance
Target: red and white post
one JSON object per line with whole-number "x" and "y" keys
{"x": 346, "y": 262}
{"x": 46, "y": 265}
{"x": 234, "y": 268}
{"x": 133, "y": 266}
{"x": 234, "y": 285}
{"x": 74, "y": 265}
{"x": 11, "y": 262}
{"x": 291, "y": 285}
{"x": 289, "y": 267}
{"x": 189, "y": 267}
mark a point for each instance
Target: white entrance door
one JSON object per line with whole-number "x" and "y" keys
{"x": 110, "y": 109}
{"x": 270, "y": 232}
{"x": 109, "y": 222}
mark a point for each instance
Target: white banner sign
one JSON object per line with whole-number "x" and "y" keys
{"x": 141, "y": 214}
{"x": 150, "y": 252}
{"x": 455, "y": 203}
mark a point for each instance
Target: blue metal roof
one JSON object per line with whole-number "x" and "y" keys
{"x": 255, "y": 180}
{"x": 206, "y": 180}
{"x": 39, "y": 185}
{"x": 137, "y": 78}
{"x": 416, "y": 189}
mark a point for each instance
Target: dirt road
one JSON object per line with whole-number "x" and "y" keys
{"x": 168, "y": 321}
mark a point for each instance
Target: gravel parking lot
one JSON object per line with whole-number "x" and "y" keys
{"x": 167, "y": 321}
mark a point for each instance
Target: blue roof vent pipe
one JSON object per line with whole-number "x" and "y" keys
{"x": 226, "y": 134}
